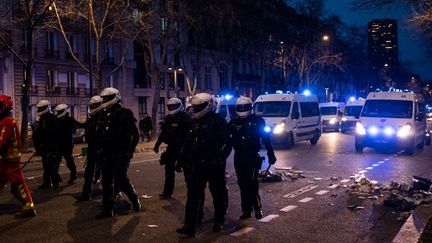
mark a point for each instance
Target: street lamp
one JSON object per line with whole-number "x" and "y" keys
{"x": 176, "y": 94}
{"x": 326, "y": 93}
{"x": 326, "y": 38}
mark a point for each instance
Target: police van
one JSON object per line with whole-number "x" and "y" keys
{"x": 331, "y": 115}
{"x": 351, "y": 115}
{"x": 290, "y": 118}
{"x": 392, "y": 120}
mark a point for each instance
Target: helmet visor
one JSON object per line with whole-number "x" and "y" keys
{"x": 42, "y": 108}
{"x": 172, "y": 107}
{"x": 200, "y": 107}
{"x": 243, "y": 108}
{"x": 108, "y": 98}
{"x": 94, "y": 106}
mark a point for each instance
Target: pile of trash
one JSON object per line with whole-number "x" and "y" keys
{"x": 280, "y": 174}
{"x": 363, "y": 186}
{"x": 406, "y": 197}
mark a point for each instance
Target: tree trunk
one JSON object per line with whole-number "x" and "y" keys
{"x": 154, "y": 75}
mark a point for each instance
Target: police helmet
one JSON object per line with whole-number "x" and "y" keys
{"x": 5, "y": 104}
{"x": 110, "y": 97}
{"x": 95, "y": 104}
{"x": 61, "y": 110}
{"x": 202, "y": 103}
{"x": 174, "y": 106}
{"x": 43, "y": 106}
{"x": 243, "y": 107}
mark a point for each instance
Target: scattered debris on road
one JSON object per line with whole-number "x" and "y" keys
{"x": 145, "y": 196}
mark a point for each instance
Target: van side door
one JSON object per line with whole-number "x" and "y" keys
{"x": 310, "y": 114}
{"x": 296, "y": 120}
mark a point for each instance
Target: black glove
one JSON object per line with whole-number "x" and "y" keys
{"x": 271, "y": 158}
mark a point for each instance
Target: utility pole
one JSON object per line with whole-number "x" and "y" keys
{"x": 89, "y": 45}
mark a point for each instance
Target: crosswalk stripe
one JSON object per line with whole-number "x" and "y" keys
{"x": 242, "y": 231}
{"x": 333, "y": 186}
{"x": 300, "y": 191}
{"x": 306, "y": 199}
{"x": 289, "y": 208}
{"x": 344, "y": 181}
{"x": 268, "y": 218}
{"x": 369, "y": 168}
{"x": 375, "y": 165}
{"x": 322, "y": 192}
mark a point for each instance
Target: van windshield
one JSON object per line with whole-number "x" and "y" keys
{"x": 330, "y": 110}
{"x": 272, "y": 108}
{"x": 388, "y": 109}
{"x": 353, "y": 110}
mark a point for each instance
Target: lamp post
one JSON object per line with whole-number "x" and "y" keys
{"x": 326, "y": 94}
{"x": 176, "y": 92}
{"x": 89, "y": 49}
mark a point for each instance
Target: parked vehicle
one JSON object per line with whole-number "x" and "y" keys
{"x": 290, "y": 118}
{"x": 331, "y": 115}
{"x": 351, "y": 115}
{"x": 392, "y": 120}
{"x": 225, "y": 106}
{"x": 428, "y": 125}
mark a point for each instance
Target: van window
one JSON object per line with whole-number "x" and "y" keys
{"x": 232, "y": 111}
{"x": 352, "y": 110}
{"x": 388, "y": 108}
{"x": 330, "y": 110}
{"x": 272, "y": 108}
{"x": 222, "y": 111}
{"x": 295, "y": 108}
{"x": 309, "y": 109}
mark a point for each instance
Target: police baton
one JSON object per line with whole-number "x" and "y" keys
{"x": 31, "y": 157}
{"x": 266, "y": 172}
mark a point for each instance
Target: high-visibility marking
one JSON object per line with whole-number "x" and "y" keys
{"x": 369, "y": 168}
{"x": 362, "y": 172}
{"x": 375, "y": 165}
{"x": 289, "y": 208}
{"x": 306, "y": 199}
{"x": 386, "y": 159}
{"x": 333, "y": 186}
{"x": 268, "y": 218}
{"x": 300, "y": 191}
{"x": 381, "y": 162}
{"x": 242, "y": 231}
{"x": 322, "y": 192}
{"x": 344, "y": 180}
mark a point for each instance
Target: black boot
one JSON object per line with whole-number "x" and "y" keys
{"x": 104, "y": 214}
{"x": 84, "y": 197}
{"x": 245, "y": 215}
{"x": 258, "y": 214}
{"x": 186, "y": 231}
{"x": 217, "y": 227}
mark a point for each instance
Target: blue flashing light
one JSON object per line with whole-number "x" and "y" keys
{"x": 306, "y": 92}
{"x": 267, "y": 129}
{"x": 279, "y": 92}
{"x": 352, "y": 98}
{"x": 228, "y": 96}
{"x": 266, "y": 92}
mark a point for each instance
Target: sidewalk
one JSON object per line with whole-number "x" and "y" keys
{"x": 78, "y": 150}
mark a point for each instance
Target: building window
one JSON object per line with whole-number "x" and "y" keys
{"x": 162, "y": 80}
{"x": 73, "y": 44}
{"x": 207, "y": 77}
{"x": 51, "y": 81}
{"x": 170, "y": 81}
{"x": 51, "y": 48}
{"x": 222, "y": 76}
{"x": 109, "y": 81}
{"x": 142, "y": 105}
{"x": 71, "y": 83}
{"x": 161, "y": 108}
{"x": 25, "y": 40}
{"x": 164, "y": 25}
{"x": 108, "y": 55}
{"x": 196, "y": 75}
{"x": 180, "y": 81}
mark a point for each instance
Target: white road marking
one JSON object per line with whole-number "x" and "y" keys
{"x": 344, "y": 180}
{"x": 300, "y": 191}
{"x": 369, "y": 168}
{"x": 322, "y": 192}
{"x": 289, "y": 208}
{"x": 306, "y": 199}
{"x": 386, "y": 159}
{"x": 381, "y": 162}
{"x": 268, "y": 218}
{"x": 242, "y": 231}
{"x": 362, "y": 172}
{"x": 375, "y": 165}
{"x": 333, "y": 186}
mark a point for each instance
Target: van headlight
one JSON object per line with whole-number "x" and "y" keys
{"x": 404, "y": 131}
{"x": 360, "y": 130}
{"x": 332, "y": 121}
{"x": 344, "y": 119}
{"x": 279, "y": 128}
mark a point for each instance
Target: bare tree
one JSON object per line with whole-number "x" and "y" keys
{"x": 31, "y": 16}
{"x": 104, "y": 21}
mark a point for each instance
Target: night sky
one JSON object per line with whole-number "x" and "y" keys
{"x": 410, "y": 47}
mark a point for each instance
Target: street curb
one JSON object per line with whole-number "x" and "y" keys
{"x": 413, "y": 227}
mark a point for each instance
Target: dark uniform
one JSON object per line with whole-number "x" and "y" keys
{"x": 204, "y": 159}
{"x": 173, "y": 134}
{"x": 46, "y": 142}
{"x": 246, "y": 136}
{"x": 117, "y": 136}
{"x": 67, "y": 128}
{"x": 92, "y": 156}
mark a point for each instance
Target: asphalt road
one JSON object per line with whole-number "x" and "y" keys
{"x": 319, "y": 214}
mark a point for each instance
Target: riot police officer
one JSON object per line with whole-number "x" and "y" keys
{"x": 68, "y": 125}
{"x": 203, "y": 159}
{"x": 247, "y": 132}
{"x": 46, "y": 142}
{"x": 172, "y": 133}
{"x": 95, "y": 108}
{"x": 117, "y": 136}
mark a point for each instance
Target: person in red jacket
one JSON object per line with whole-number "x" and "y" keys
{"x": 10, "y": 156}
